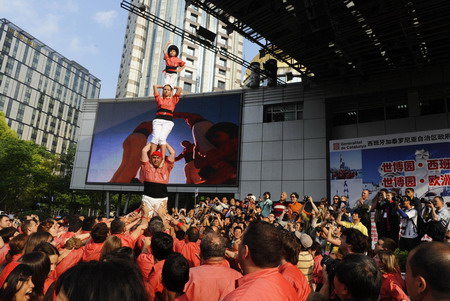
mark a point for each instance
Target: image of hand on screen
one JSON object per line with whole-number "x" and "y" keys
{"x": 132, "y": 146}
{"x": 162, "y": 123}
{"x": 216, "y": 148}
{"x": 190, "y": 171}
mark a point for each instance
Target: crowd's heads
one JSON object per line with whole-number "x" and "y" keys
{"x": 88, "y": 223}
{"x": 8, "y": 233}
{"x": 260, "y": 246}
{"x": 357, "y": 278}
{"x": 124, "y": 254}
{"x": 40, "y": 266}
{"x": 51, "y": 251}
{"x": 353, "y": 241}
{"x": 16, "y": 245}
{"x": 161, "y": 245}
{"x": 4, "y": 221}
{"x": 99, "y": 232}
{"x": 73, "y": 243}
{"x": 101, "y": 280}
{"x": 387, "y": 262}
{"x": 16, "y": 282}
{"x": 29, "y": 226}
{"x": 36, "y": 238}
{"x": 111, "y": 243}
{"x": 117, "y": 226}
{"x": 75, "y": 225}
{"x": 305, "y": 241}
{"x": 212, "y": 245}
{"x": 290, "y": 247}
{"x": 192, "y": 234}
{"x": 175, "y": 273}
{"x": 385, "y": 243}
{"x": 428, "y": 272}
{"x": 156, "y": 226}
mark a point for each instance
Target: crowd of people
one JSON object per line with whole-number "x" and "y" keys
{"x": 229, "y": 249}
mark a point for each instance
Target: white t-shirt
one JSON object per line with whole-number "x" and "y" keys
{"x": 408, "y": 225}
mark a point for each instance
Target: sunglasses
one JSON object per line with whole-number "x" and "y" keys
{"x": 335, "y": 198}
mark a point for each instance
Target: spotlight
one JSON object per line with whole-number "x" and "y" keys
{"x": 206, "y": 34}
{"x": 289, "y": 76}
{"x": 262, "y": 53}
{"x": 229, "y": 29}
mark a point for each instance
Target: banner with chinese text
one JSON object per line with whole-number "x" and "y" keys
{"x": 420, "y": 160}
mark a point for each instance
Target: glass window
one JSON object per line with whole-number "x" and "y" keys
{"x": 194, "y": 17}
{"x": 190, "y": 51}
{"x": 187, "y": 87}
{"x": 222, "y": 72}
{"x": 283, "y": 112}
{"x": 221, "y": 84}
{"x": 222, "y": 62}
{"x": 188, "y": 74}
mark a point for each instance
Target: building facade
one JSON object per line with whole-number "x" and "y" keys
{"x": 41, "y": 91}
{"x": 142, "y": 59}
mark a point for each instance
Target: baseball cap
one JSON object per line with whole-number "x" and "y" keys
{"x": 305, "y": 239}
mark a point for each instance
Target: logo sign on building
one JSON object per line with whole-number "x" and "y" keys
{"x": 420, "y": 160}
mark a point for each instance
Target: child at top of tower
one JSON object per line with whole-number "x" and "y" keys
{"x": 172, "y": 64}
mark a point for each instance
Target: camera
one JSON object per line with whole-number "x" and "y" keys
{"x": 425, "y": 201}
{"x": 305, "y": 198}
{"x": 331, "y": 266}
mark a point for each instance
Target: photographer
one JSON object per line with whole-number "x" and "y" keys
{"x": 436, "y": 218}
{"x": 356, "y": 278}
{"x": 409, "y": 237}
{"x": 388, "y": 225}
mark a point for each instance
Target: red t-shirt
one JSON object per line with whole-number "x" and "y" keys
{"x": 173, "y": 61}
{"x": 210, "y": 282}
{"x": 145, "y": 261}
{"x": 190, "y": 251}
{"x": 69, "y": 261}
{"x": 167, "y": 103}
{"x": 263, "y": 285}
{"x": 297, "y": 279}
{"x": 149, "y": 173}
{"x": 154, "y": 284}
{"x": 127, "y": 240}
{"x": 92, "y": 251}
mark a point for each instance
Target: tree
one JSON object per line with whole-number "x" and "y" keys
{"x": 27, "y": 169}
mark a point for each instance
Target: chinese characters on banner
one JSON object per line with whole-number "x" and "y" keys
{"x": 418, "y": 160}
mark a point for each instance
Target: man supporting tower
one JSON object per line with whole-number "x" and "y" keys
{"x": 155, "y": 178}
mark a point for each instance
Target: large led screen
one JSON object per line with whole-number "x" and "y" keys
{"x": 205, "y": 137}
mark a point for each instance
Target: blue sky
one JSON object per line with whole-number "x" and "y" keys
{"x": 90, "y": 32}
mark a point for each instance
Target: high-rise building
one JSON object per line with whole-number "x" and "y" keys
{"x": 41, "y": 91}
{"x": 142, "y": 59}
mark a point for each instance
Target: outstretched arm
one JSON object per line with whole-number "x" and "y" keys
{"x": 165, "y": 47}
{"x": 171, "y": 157}
{"x": 144, "y": 153}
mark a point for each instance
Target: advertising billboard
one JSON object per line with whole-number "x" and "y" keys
{"x": 208, "y": 126}
{"x": 420, "y": 160}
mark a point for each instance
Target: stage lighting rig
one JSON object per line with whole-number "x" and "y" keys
{"x": 202, "y": 37}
